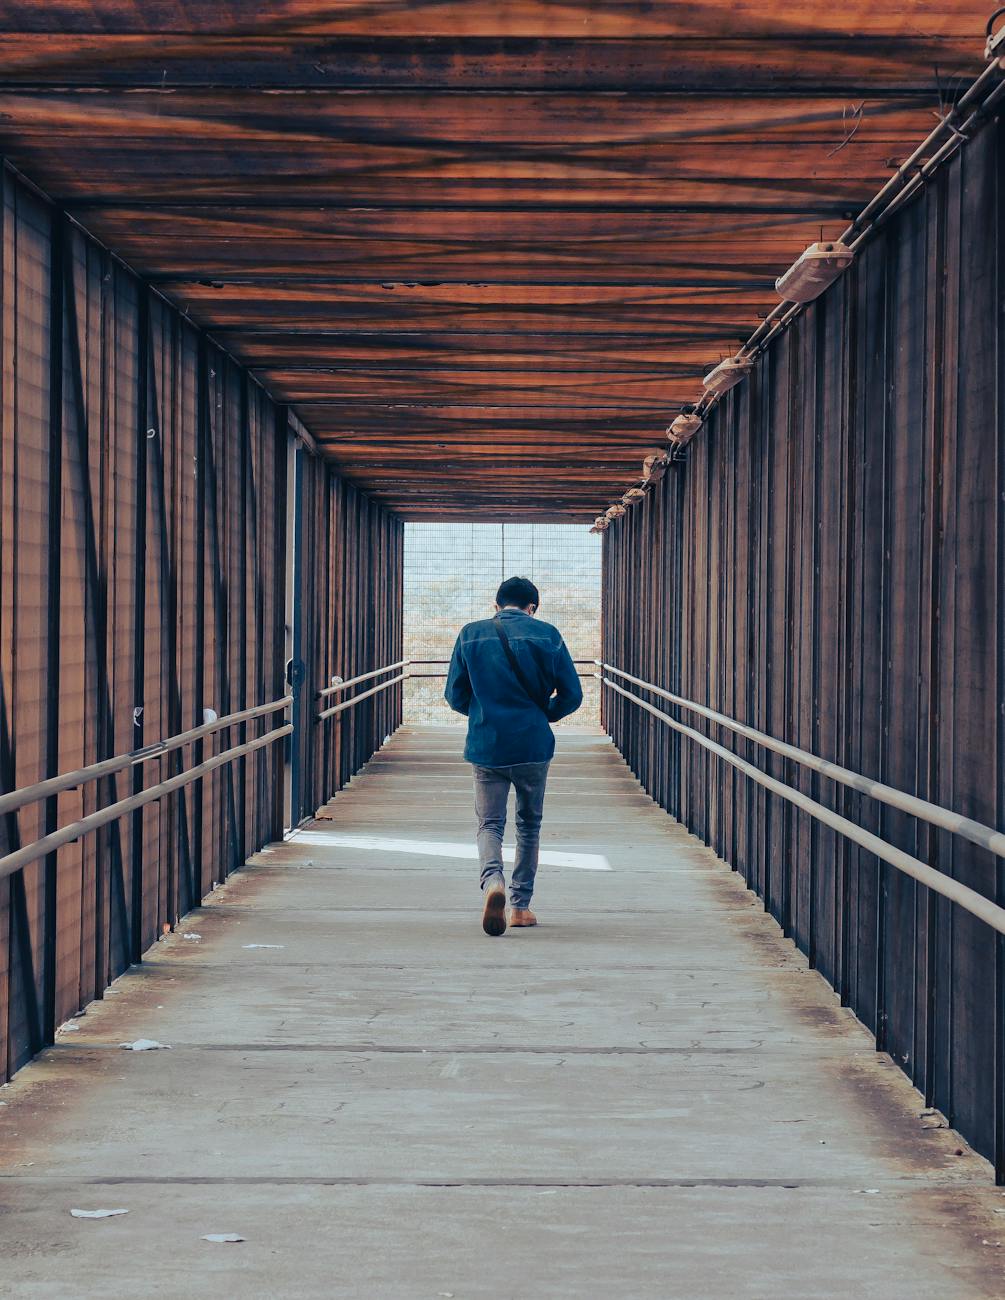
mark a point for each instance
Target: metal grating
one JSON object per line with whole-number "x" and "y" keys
{"x": 451, "y": 575}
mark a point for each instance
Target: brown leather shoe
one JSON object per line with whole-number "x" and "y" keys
{"x": 494, "y": 910}
{"x": 520, "y": 916}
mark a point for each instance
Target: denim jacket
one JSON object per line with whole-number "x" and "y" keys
{"x": 504, "y": 725}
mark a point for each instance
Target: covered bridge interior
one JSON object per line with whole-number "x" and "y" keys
{"x": 277, "y": 278}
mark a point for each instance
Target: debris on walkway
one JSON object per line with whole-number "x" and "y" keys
{"x": 145, "y": 1045}
{"x": 97, "y": 1214}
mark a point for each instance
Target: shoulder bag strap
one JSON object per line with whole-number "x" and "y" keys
{"x": 518, "y": 672}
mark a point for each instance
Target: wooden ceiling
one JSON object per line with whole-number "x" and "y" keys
{"x": 485, "y": 247}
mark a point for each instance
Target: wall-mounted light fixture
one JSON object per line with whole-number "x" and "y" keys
{"x": 654, "y": 467}
{"x": 727, "y": 374}
{"x": 814, "y": 270}
{"x": 683, "y": 429}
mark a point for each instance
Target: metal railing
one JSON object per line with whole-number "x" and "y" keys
{"x": 109, "y": 766}
{"x": 987, "y": 837}
{"x": 428, "y": 662}
{"x": 363, "y": 695}
{"x": 47, "y": 844}
{"x": 339, "y": 685}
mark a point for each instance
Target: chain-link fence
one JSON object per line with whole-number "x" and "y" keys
{"x": 451, "y": 575}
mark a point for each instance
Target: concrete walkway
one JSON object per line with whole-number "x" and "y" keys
{"x": 647, "y": 1096}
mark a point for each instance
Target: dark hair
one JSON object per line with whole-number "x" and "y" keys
{"x": 518, "y": 591}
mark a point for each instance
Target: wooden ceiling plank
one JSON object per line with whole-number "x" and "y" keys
{"x": 491, "y": 126}
{"x": 875, "y": 63}
{"x": 585, "y": 19}
{"x": 858, "y": 65}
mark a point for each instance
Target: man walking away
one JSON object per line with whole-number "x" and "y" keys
{"x": 511, "y": 676}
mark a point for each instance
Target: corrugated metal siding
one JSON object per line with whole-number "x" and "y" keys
{"x": 828, "y": 567}
{"x": 25, "y": 583}
{"x": 349, "y": 594}
{"x": 142, "y": 540}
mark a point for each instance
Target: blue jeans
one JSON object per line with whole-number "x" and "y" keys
{"x": 491, "y": 795}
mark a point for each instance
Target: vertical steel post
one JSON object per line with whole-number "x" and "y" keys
{"x": 295, "y": 668}
{"x": 143, "y": 425}
{"x": 50, "y": 925}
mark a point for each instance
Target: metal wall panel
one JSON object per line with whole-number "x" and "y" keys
{"x": 143, "y": 576}
{"x": 142, "y": 564}
{"x": 30, "y": 478}
{"x": 348, "y": 620}
{"x": 832, "y": 556}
